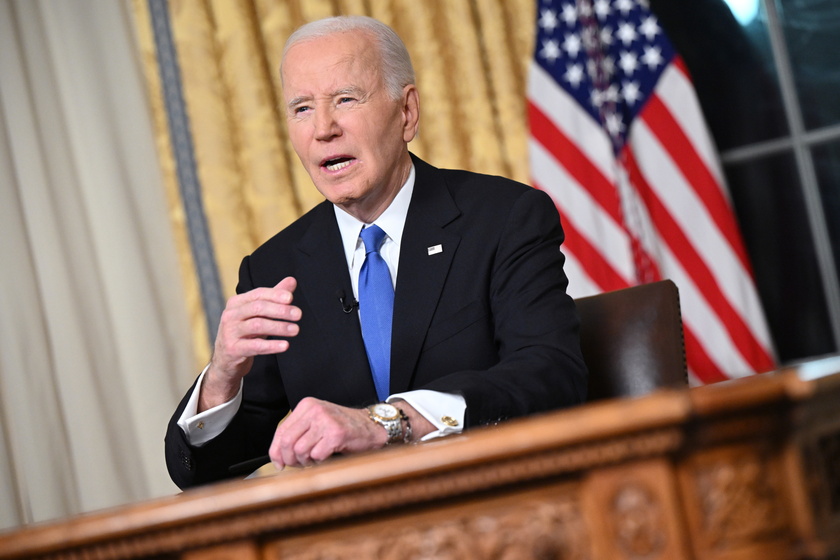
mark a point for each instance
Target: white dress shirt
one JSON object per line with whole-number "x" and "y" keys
{"x": 434, "y": 406}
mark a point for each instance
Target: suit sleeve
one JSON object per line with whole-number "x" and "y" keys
{"x": 249, "y": 434}
{"x": 534, "y": 323}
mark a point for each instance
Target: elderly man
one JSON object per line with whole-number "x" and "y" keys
{"x": 413, "y": 303}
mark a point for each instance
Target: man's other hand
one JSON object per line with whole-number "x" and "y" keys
{"x": 316, "y": 430}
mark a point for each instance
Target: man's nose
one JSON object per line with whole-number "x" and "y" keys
{"x": 326, "y": 126}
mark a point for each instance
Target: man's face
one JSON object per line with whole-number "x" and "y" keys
{"x": 350, "y": 135}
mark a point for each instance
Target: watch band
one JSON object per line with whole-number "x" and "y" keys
{"x": 392, "y": 423}
{"x": 407, "y": 431}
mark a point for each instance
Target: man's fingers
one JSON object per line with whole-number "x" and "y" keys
{"x": 252, "y": 337}
{"x": 312, "y": 446}
{"x": 298, "y": 434}
{"x": 302, "y": 449}
{"x": 255, "y": 306}
{"x": 259, "y": 327}
{"x": 315, "y": 430}
{"x": 281, "y": 294}
{"x": 260, "y": 346}
{"x": 288, "y": 284}
{"x": 322, "y": 450}
{"x": 285, "y": 436}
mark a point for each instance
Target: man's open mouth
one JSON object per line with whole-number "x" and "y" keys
{"x": 337, "y": 164}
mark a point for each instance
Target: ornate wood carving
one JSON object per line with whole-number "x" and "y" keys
{"x": 821, "y": 462}
{"x": 543, "y": 525}
{"x": 740, "y": 498}
{"x": 634, "y": 510}
{"x": 384, "y": 496}
{"x": 235, "y": 551}
{"x": 638, "y": 518}
{"x": 828, "y": 447}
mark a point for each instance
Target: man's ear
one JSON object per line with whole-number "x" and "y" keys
{"x": 411, "y": 112}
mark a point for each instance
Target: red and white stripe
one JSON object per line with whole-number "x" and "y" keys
{"x": 658, "y": 210}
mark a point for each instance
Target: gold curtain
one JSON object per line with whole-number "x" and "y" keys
{"x": 471, "y": 59}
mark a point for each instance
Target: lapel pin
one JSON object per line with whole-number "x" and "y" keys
{"x": 435, "y": 249}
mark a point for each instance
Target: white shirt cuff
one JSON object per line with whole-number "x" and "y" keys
{"x": 445, "y": 411}
{"x": 202, "y": 427}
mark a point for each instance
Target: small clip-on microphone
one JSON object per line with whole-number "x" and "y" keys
{"x": 346, "y": 305}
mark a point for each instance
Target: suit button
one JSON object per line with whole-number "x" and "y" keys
{"x": 186, "y": 460}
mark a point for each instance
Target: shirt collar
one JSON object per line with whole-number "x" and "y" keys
{"x": 392, "y": 220}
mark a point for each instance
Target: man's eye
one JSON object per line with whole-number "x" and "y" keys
{"x": 346, "y": 99}
{"x": 299, "y": 110}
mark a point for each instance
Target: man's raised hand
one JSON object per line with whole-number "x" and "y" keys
{"x": 255, "y": 323}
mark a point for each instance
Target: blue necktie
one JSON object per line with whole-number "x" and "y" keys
{"x": 376, "y": 307}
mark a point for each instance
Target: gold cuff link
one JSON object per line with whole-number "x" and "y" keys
{"x": 449, "y": 421}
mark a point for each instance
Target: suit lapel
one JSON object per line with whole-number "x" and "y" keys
{"x": 323, "y": 272}
{"x": 426, "y": 254}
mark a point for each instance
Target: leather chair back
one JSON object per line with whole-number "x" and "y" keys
{"x": 632, "y": 340}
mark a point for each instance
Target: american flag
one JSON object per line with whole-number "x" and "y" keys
{"x": 619, "y": 142}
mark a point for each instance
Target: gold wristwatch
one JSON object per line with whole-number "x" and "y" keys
{"x": 389, "y": 417}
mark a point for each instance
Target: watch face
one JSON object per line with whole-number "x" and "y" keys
{"x": 386, "y": 410}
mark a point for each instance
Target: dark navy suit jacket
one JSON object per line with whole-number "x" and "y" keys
{"x": 487, "y": 317}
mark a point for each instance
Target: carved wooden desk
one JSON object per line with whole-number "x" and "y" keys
{"x": 744, "y": 470}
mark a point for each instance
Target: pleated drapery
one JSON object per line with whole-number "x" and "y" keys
{"x": 94, "y": 342}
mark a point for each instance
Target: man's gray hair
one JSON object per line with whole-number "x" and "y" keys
{"x": 397, "y": 71}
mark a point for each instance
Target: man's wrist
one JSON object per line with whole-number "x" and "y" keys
{"x": 432, "y": 413}
{"x": 407, "y": 427}
{"x": 214, "y": 392}
{"x": 201, "y": 427}
{"x": 390, "y": 418}
{"x": 416, "y": 422}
